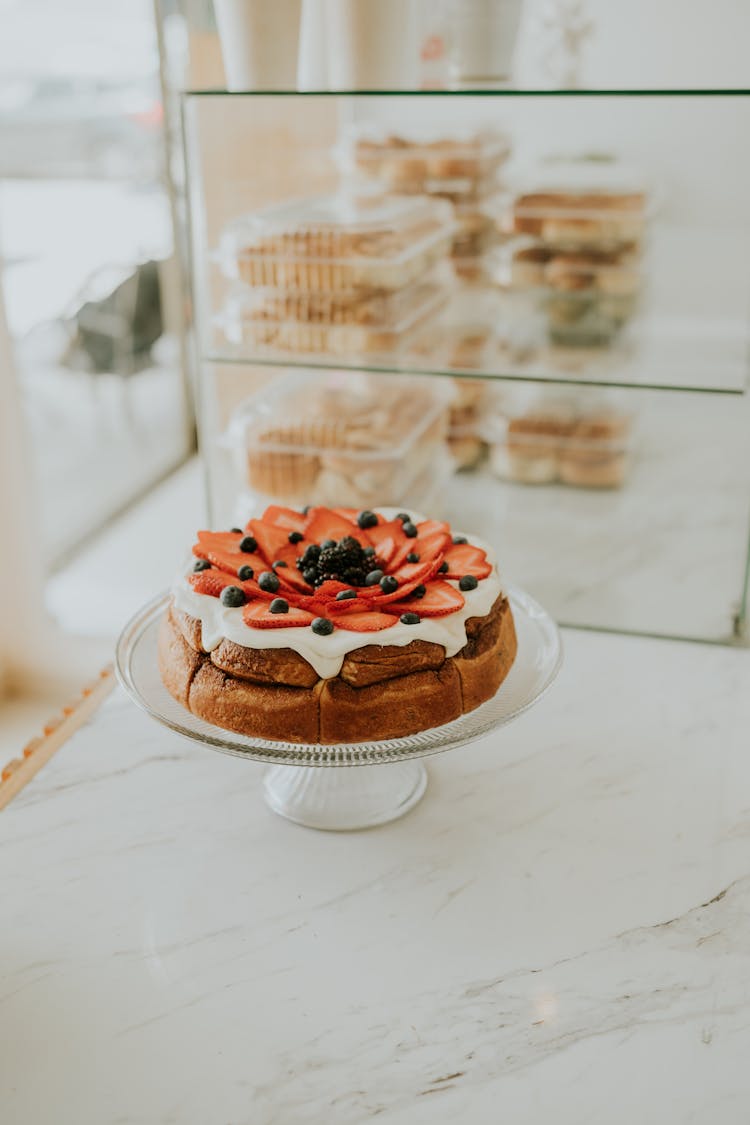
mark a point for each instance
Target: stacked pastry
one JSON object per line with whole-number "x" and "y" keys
{"x": 561, "y": 439}
{"x": 579, "y": 251}
{"x": 337, "y": 275}
{"x": 462, "y": 170}
{"x": 341, "y": 437}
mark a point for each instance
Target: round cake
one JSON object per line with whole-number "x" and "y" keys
{"x": 336, "y": 625}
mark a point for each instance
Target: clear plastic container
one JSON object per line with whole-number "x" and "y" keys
{"x": 585, "y": 296}
{"x": 344, "y": 438}
{"x": 560, "y": 439}
{"x": 424, "y": 493}
{"x": 341, "y": 323}
{"x": 343, "y": 241}
{"x": 587, "y": 204}
{"x": 453, "y": 167}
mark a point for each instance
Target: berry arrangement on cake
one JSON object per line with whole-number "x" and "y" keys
{"x": 336, "y": 625}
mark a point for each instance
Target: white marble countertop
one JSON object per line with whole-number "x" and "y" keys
{"x": 559, "y": 932}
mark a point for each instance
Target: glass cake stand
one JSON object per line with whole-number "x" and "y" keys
{"x": 302, "y": 784}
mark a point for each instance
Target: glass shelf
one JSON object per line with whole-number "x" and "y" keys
{"x": 687, "y": 337}
{"x": 475, "y": 92}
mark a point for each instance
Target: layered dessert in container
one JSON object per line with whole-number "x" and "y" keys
{"x": 581, "y": 205}
{"x": 457, "y": 168}
{"x": 346, "y": 322}
{"x": 342, "y": 438}
{"x": 577, "y": 231}
{"x": 338, "y": 242}
{"x": 460, "y": 169}
{"x": 586, "y": 296}
{"x": 345, "y": 274}
{"x": 547, "y": 438}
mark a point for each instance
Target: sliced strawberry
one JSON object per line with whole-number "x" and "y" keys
{"x": 420, "y": 574}
{"x": 289, "y": 575}
{"x": 211, "y": 582}
{"x": 347, "y": 513}
{"x": 348, "y": 605}
{"x": 387, "y": 538}
{"x": 328, "y": 590}
{"x": 285, "y": 518}
{"x": 325, "y": 523}
{"x": 369, "y": 622}
{"x": 416, "y": 572}
{"x": 428, "y": 547}
{"x": 440, "y": 599}
{"x": 258, "y": 616}
{"x": 463, "y": 558}
{"x": 430, "y": 527}
{"x": 271, "y": 540}
{"x": 222, "y": 548}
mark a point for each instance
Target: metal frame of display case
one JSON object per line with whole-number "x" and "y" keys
{"x": 709, "y": 405}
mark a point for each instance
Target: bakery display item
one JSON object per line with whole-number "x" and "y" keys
{"x": 458, "y": 168}
{"x": 465, "y": 441}
{"x": 336, "y": 626}
{"x": 596, "y": 204}
{"x": 366, "y": 241}
{"x": 559, "y": 439}
{"x": 340, "y": 436}
{"x": 585, "y": 296}
{"x": 357, "y": 322}
{"x": 582, "y": 221}
{"x": 461, "y": 170}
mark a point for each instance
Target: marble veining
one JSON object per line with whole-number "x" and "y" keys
{"x": 559, "y": 931}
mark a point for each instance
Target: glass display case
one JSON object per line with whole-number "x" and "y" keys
{"x": 561, "y": 279}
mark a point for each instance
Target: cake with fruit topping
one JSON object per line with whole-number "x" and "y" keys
{"x": 333, "y": 625}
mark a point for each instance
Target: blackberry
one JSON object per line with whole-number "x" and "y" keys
{"x": 310, "y": 557}
{"x": 344, "y": 561}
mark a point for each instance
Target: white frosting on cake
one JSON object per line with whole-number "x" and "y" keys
{"x": 326, "y": 654}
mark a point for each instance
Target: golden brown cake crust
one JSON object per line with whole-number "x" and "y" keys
{"x": 382, "y": 691}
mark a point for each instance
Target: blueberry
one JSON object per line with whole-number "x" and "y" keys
{"x": 373, "y": 577}
{"x": 410, "y": 531}
{"x": 388, "y": 584}
{"x": 279, "y": 605}
{"x": 419, "y": 591}
{"x": 326, "y": 543}
{"x": 236, "y": 530}
{"x": 443, "y": 568}
{"x": 404, "y": 517}
{"x": 296, "y": 537}
{"x": 410, "y": 618}
{"x": 460, "y": 539}
{"x": 278, "y": 563}
{"x": 233, "y": 597}
{"x": 269, "y": 582}
{"x": 367, "y": 519}
{"x": 248, "y": 544}
{"x": 467, "y": 582}
{"x": 322, "y": 626}
{"x": 201, "y": 564}
{"x": 345, "y": 595}
{"x": 412, "y": 557}
{"x": 309, "y": 576}
{"x": 245, "y": 573}
{"x": 368, "y": 551}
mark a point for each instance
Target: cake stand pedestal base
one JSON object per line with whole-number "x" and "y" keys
{"x": 342, "y": 800}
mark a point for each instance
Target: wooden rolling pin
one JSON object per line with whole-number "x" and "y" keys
{"x": 56, "y": 732}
